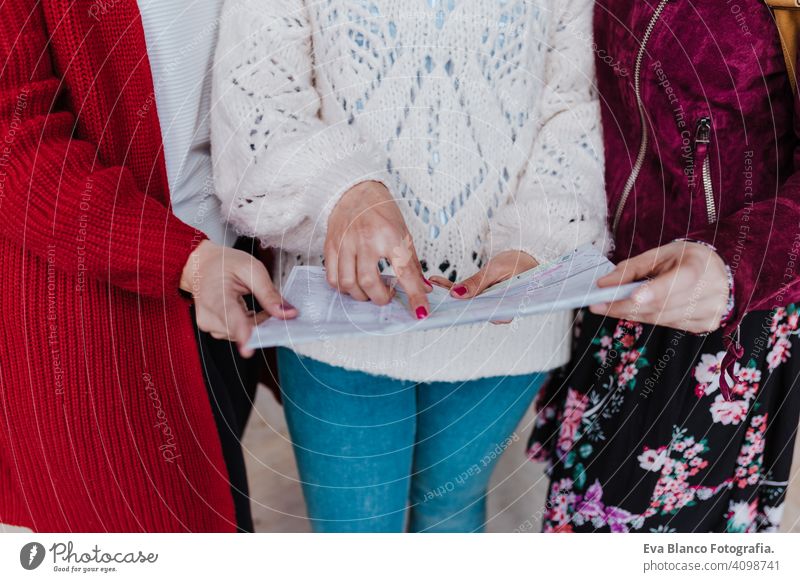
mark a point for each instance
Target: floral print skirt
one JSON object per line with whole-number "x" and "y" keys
{"x": 639, "y": 438}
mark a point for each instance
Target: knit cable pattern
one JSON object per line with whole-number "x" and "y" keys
{"x": 480, "y": 118}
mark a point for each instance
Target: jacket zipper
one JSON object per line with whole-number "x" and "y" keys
{"x": 701, "y": 142}
{"x": 637, "y": 73}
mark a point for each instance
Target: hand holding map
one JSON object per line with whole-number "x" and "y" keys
{"x": 564, "y": 284}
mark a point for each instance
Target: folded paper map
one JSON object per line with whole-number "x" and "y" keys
{"x": 325, "y": 314}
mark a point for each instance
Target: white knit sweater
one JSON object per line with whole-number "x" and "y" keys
{"x": 480, "y": 116}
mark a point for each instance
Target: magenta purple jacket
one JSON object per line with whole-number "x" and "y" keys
{"x": 699, "y": 140}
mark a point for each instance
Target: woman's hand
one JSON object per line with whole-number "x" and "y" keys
{"x": 503, "y": 266}
{"x": 364, "y": 227}
{"x": 218, "y": 278}
{"x": 688, "y": 289}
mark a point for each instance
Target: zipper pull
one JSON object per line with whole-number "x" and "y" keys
{"x": 702, "y": 164}
{"x": 703, "y": 132}
{"x": 733, "y": 352}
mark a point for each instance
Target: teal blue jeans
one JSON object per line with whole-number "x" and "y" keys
{"x": 377, "y": 454}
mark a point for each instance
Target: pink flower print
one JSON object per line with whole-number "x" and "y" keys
{"x": 561, "y": 499}
{"x": 777, "y": 316}
{"x": 652, "y": 459}
{"x": 793, "y": 320}
{"x": 708, "y": 370}
{"x": 741, "y": 516}
{"x": 538, "y": 453}
{"x": 574, "y": 408}
{"x": 631, "y": 356}
{"x": 703, "y": 493}
{"x": 563, "y": 485}
{"x": 606, "y": 341}
{"x": 627, "y": 373}
{"x": 779, "y": 353}
{"x": 742, "y": 389}
{"x": 687, "y": 496}
{"x": 593, "y": 509}
{"x": 560, "y": 509}
{"x": 728, "y": 412}
{"x": 627, "y": 332}
{"x": 748, "y": 374}
{"x": 617, "y": 519}
{"x": 750, "y": 459}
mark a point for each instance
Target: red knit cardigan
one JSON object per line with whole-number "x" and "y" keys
{"x": 105, "y": 424}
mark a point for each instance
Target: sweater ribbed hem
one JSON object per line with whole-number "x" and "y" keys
{"x": 530, "y": 344}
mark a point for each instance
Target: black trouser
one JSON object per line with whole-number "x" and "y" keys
{"x": 231, "y": 382}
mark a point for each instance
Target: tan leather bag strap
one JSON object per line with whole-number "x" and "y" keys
{"x": 787, "y": 18}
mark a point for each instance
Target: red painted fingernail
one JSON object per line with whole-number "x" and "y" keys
{"x": 286, "y": 306}
{"x": 422, "y": 313}
{"x": 427, "y": 282}
{"x": 460, "y": 290}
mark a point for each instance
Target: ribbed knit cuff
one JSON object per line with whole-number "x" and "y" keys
{"x": 180, "y": 241}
